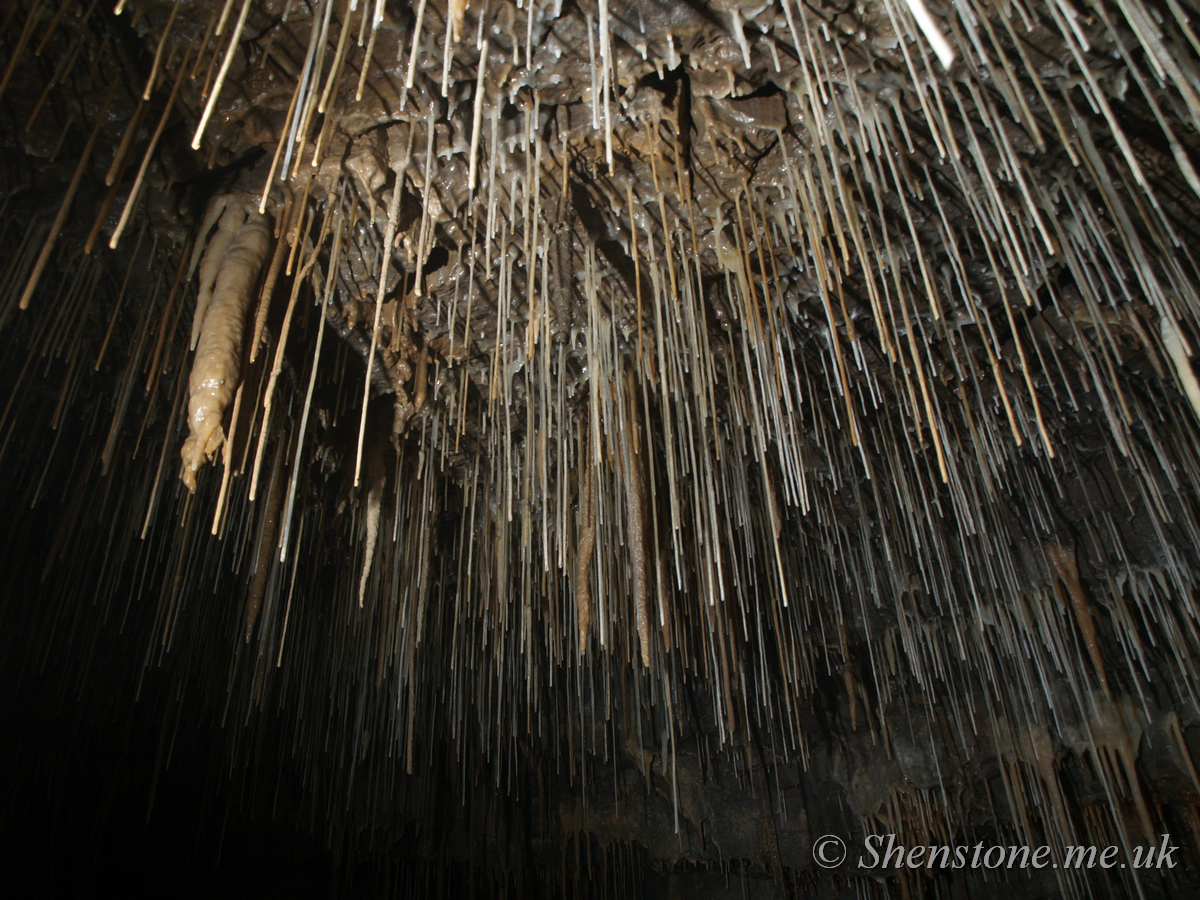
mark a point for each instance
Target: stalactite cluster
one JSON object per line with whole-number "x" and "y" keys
{"x": 613, "y": 444}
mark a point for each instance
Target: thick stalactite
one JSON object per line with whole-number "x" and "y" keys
{"x": 595, "y": 447}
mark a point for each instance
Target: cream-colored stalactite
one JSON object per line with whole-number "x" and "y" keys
{"x": 375, "y": 471}
{"x": 374, "y": 511}
{"x": 455, "y": 13}
{"x": 228, "y": 229}
{"x": 1179, "y": 352}
{"x": 216, "y": 206}
{"x": 215, "y": 373}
